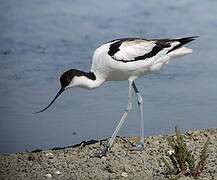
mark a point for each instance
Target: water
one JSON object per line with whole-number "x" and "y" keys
{"x": 40, "y": 39}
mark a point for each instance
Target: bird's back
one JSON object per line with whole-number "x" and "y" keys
{"x": 121, "y": 58}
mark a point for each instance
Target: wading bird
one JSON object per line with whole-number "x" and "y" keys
{"x": 125, "y": 59}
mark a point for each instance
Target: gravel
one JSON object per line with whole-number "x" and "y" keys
{"x": 75, "y": 162}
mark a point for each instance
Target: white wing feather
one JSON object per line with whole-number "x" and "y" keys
{"x": 129, "y": 50}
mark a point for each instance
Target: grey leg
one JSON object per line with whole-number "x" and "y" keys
{"x": 104, "y": 151}
{"x": 140, "y": 146}
{"x": 128, "y": 108}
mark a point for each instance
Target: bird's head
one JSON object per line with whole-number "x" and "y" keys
{"x": 68, "y": 80}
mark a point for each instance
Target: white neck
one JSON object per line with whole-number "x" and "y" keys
{"x": 87, "y": 83}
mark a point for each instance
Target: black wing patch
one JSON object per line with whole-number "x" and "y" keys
{"x": 114, "y": 47}
{"x": 156, "y": 49}
{"x": 159, "y": 45}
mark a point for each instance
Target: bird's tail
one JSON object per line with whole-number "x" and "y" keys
{"x": 179, "y": 50}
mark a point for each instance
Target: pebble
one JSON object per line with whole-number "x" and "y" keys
{"x": 48, "y": 175}
{"x": 50, "y": 155}
{"x": 124, "y": 174}
{"x": 119, "y": 164}
{"x": 57, "y": 172}
{"x": 170, "y": 152}
{"x": 103, "y": 158}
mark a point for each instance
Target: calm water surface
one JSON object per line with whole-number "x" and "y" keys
{"x": 40, "y": 39}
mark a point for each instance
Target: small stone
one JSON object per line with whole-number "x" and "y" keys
{"x": 50, "y": 155}
{"x": 32, "y": 157}
{"x": 48, "y": 175}
{"x": 170, "y": 152}
{"x": 109, "y": 169}
{"x": 103, "y": 158}
{"x": 124, "y": 174}
{"x": 57, "y": 172}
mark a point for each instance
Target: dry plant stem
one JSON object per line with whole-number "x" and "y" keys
{"x": 182, "y": 160}
{"x": 203, "y": 156}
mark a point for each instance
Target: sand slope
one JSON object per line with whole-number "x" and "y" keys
{"x": 121, "y": 163}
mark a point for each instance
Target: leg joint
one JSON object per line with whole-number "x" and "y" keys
{"x": 128, "y": 108}
{"x": 140, "y": 99}
{"x": 129, "y": 104}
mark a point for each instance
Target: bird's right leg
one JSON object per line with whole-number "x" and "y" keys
{"x": 111, "y": 140}
{"x": 128, "y": 108}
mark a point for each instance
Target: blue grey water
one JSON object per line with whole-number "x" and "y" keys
{"x": 40, "y": 39}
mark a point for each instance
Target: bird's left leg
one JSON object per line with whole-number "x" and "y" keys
{"x": 140, "y": 146}
{"x": 128, "y": 108}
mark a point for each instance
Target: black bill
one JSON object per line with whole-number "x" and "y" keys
{"x": 60, "y": 91}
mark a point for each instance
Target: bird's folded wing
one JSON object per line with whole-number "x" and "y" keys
{"x": 128, "y": 50}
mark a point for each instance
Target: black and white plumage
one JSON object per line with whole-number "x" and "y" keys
{"x": 134, "y": 49}
{"x": 125, "y": 59}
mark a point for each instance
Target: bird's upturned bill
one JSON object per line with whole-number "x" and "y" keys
{"x": 60, "y": 91}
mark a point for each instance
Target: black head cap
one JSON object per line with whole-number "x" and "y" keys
{"x": 67, "y": 76}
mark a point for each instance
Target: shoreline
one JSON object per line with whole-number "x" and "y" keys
{"x": 74, "y": 162}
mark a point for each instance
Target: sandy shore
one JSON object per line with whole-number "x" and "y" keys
{"x": 121, "y": 163}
